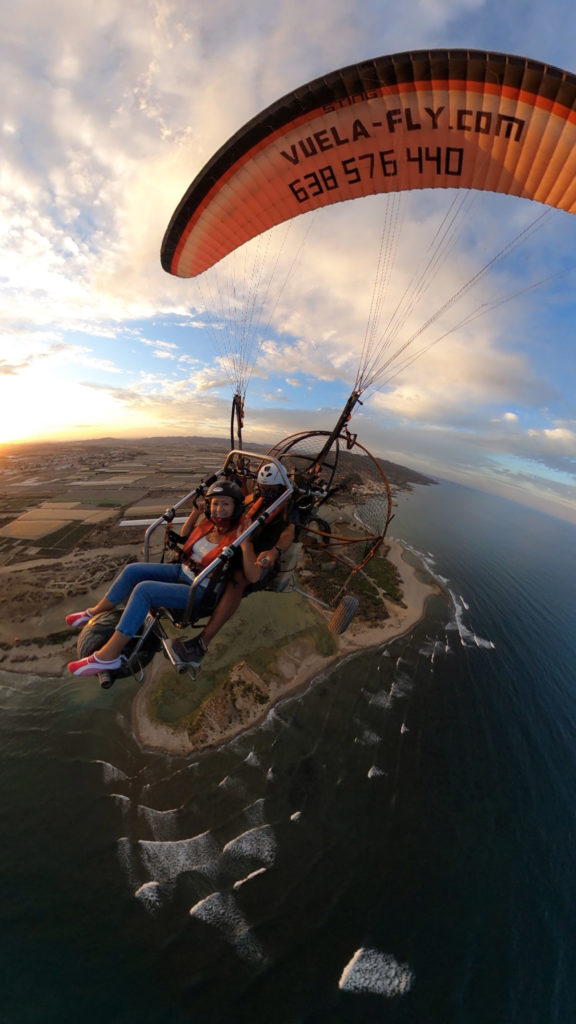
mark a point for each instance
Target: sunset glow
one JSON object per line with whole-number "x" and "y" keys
{"x": 97, "y": 340}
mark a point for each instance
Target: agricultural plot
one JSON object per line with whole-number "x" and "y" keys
{"x": 51, "y": 517}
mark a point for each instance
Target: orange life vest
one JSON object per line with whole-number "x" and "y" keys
{"x": 197, "y": 534}
{"x": 255, "y": 505}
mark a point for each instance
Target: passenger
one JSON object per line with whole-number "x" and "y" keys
{"x": 261, "y": 560}
{"x": 146, "y": 585}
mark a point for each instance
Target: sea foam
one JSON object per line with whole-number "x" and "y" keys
{"x": 124, "y": 803}
{"x": 367, "y": 738}
{"x": 381, "y": 699}
{"x": 221, "y": 911}
{"x": 162, "y": 824}
{"x": 110, "y": 773}
{"x": 149, "y": 896}
{"x": 376, "y": 973}
{"x": 257, "y": 843}
{"x": 459, "y": 604}
{"x": 255, "y": 814}
{"x": 167, "y": 860}
{"x": 253, "y": 874}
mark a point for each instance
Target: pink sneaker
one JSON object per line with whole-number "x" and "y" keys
{"x": 79, "y": 618}
{"x": 92, "y": 665}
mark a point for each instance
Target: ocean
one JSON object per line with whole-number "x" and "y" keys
{"x": 396, "y": 844}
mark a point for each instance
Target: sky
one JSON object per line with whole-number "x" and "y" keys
{"x": 109, "y": 110}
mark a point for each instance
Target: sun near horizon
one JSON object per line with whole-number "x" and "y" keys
{"x": 35, "y": 409}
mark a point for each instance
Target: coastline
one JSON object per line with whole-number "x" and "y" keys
{"x": 297, "y": 668}
{"x": 63, "y": 546}
{"x": 288, "y": 639}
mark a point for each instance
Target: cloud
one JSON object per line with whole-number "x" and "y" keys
{"x": 275, "y": 396}
{"x": 161, "y": 349}
{"x": 559, "y": 437}
{"x": 134, "y": 101}
{"x": 168, "y": 408}
{"x": 109, "y": 111}
{"x": 49, "y": 355}
{"x": 457, "y": 382}
{"x": 11, "y": 369}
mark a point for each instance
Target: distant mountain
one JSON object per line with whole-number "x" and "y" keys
{"x": 400, "y": 476}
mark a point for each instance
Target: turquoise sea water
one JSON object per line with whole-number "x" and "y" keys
{"x": 396, "y": 844}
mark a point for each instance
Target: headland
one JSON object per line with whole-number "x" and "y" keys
{"x": 64, "y": 535}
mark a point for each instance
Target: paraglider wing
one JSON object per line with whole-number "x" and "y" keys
{"x": 426, "y": 119}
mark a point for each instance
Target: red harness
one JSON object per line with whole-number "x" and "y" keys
{"x": 197, "y": 534}
{"x": 254, "y": 506}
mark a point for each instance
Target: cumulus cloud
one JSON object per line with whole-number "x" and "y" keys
{"x": 134, "y": 101}
{"x": 560, "y": 438}
{"x": 457, "y": 382}
{"x": 109, "y": 111}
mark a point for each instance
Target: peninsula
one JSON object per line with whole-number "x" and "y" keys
{"x": 64, "y": 533}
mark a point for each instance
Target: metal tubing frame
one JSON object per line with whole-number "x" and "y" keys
{"x": 231, "y": 548}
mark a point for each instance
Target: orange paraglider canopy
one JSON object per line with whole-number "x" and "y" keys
{"x": 426, "y": 119}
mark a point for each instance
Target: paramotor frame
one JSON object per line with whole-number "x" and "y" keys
{"x": 343, "y": 497}
{"x": 240, "y": 466}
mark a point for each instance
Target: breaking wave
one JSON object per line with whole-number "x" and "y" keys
{"x": 376, "y": 973}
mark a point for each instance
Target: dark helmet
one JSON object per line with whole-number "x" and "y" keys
{"x": 226, "y": 489}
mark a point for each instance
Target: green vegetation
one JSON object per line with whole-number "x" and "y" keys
{"x": 284, "y": 623}
{"x": 386, "y": 577}
{"x": 267, "y": 627}
{"x": 61, "y": 541}
{"x": 379, "y": 577}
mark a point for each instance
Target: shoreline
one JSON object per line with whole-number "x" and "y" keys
{"x": 42, "y": 649}
{"x": 298, "y": 674}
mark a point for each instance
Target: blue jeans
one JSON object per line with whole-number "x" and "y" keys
{"x": 147, "y": 585}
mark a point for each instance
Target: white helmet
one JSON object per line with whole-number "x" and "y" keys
{"x": 270, "y": 476}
